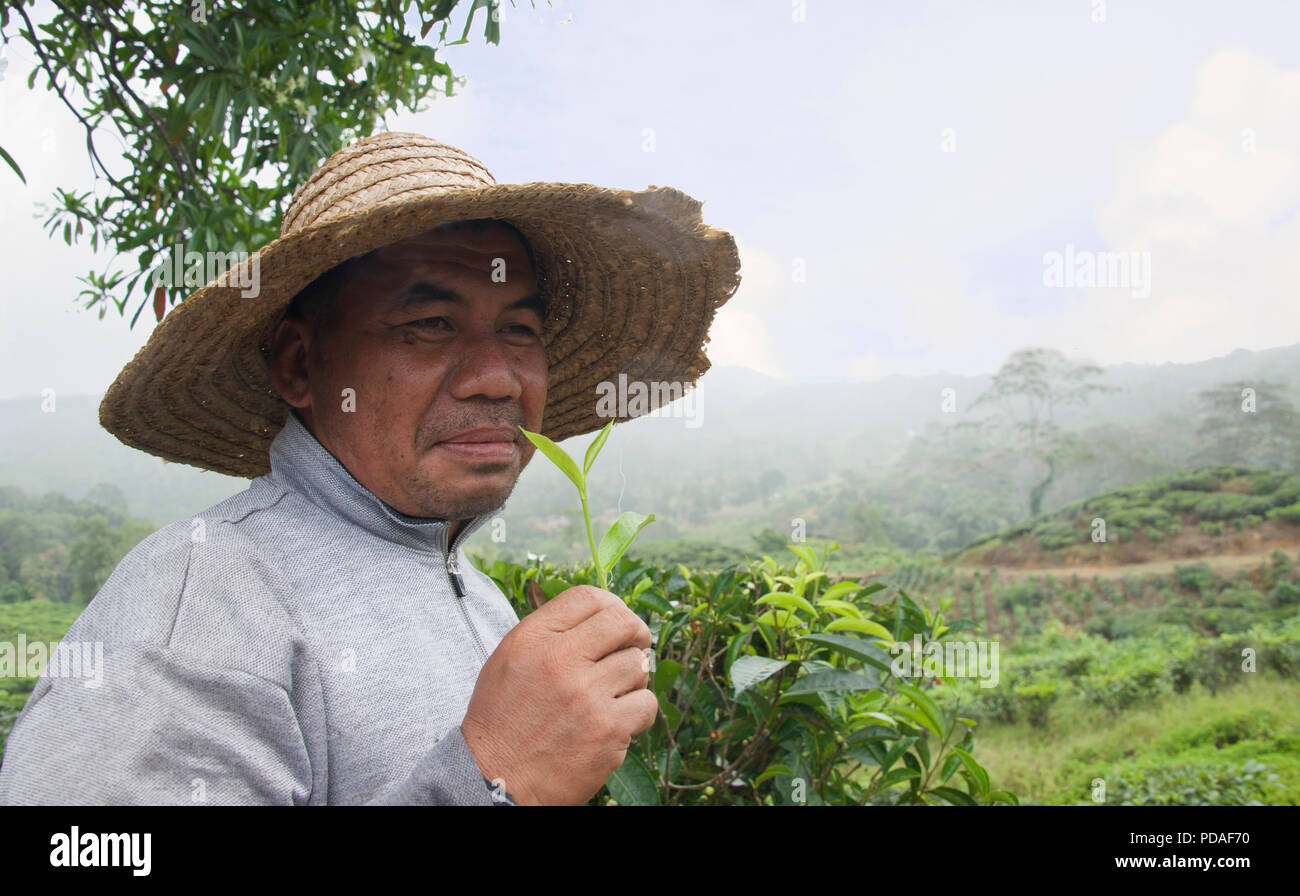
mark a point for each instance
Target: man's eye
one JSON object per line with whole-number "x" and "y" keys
{"x": 429, "y": 322}
{"x": 522, "y": 328}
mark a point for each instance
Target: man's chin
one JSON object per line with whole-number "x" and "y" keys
{"x": 491, "y": 493}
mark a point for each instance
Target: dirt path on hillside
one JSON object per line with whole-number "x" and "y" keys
{"x": 1219, "y": 563}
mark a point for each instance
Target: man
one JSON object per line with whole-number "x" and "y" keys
{"x": 321, "y": 637}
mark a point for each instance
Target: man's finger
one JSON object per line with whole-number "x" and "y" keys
{"x": 607, "y": 631}
{"x": 573, "y": 606}
{"x": 623, "y": 671}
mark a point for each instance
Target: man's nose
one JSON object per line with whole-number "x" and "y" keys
{"x": 483, "y": 369}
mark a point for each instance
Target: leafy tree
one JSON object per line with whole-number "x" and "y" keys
{"x": 108, "y": 496}
{"x": 1249, "y": 423}
{"x": 769, "y": 541}
{"x": 221, "y": 110}
{"x": 1027, "y": 390}
{"x": 769, "y": 482}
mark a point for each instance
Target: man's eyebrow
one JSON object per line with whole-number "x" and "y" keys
{"x": 423, "y": 293}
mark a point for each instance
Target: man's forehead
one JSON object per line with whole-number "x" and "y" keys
{"x": 489, "y": 240}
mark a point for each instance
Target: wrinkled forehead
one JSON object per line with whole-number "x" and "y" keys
{"x": 489, "y": 247}
{"x": 453, "y": 260}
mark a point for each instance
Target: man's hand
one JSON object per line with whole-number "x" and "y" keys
{"x": 556, "y": 705}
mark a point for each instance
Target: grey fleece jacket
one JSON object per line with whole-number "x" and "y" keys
{"x": 299, "y": 643}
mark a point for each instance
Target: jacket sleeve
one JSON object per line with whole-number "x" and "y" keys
{"x": 446, "y": 776}
{"x": 156, "y": 728}
{"x": 159, "y": 728}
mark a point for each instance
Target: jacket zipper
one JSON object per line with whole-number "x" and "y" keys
{"x": 458, "y": 585}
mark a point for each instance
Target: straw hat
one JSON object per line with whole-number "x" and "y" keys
{"x": 633, "y": 280}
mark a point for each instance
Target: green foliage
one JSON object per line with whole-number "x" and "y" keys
{"x": 775, "y": 687}
{"x": 1035, "y": 700}
{"x": 1201, "y": 784}
{"x": 37, "y": 620}
{"x": 1157, "y": 508}
{"x": 210, "y": 96}
{"x": 56, "y": 549}
{"x": 1290, "y": 513}
{"x": 1285, "y": 594}
{"x": 615, "y": 542}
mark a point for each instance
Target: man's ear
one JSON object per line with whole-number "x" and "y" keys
{"x": 288, "y": 361}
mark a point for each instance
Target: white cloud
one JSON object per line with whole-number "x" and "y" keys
{"x": 740, "y": 335}
{"x": 1219, "y": 220}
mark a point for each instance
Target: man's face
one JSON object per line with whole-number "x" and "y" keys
{"x": 445, "y": 361}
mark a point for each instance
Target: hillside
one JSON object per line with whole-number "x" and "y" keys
{"x": 858, "y": 460}
{"x": 1198, "y": 513}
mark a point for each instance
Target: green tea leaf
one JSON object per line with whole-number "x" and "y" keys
{"x": 855, "y": 648}
{"x": 666, "y": 673}
{"x": 805, "y": 554}
{"x": 952, "y": 795}
{"x": 557, "y": 456}
{"x": 633, "y": 784}
{"x": 833, "y": 680}
{"x": 919, "y": 718}
{"x": 653, "y": 601}
{"x": 620, "y": 536}
{"x": 976, "y": 770}
{"x": 838, "y": 590}
{"x": 595, "y": 447}
{"x": 771, "y": 772}
{"x": 865, "y": 626}
{"x": 789, "y": 602}
{"x": 748, "y": 671}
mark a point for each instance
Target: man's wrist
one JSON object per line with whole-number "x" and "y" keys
{"x": 490, "y": 766}
{"x": 500, "y": 797}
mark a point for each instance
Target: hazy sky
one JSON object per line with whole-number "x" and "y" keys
{"x": 917, "y": 161}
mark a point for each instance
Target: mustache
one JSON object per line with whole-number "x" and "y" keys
{"x": 446, "y": 425}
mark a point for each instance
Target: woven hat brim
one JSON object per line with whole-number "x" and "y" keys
{"x": 634, "y": 280}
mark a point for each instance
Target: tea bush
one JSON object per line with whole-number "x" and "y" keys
{"x": 775, "y": 686}
{"x": 1192, "y": 784}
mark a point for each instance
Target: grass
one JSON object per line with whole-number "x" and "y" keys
{"x": 1259, "y": 720}
{"x": 37, "y": 620}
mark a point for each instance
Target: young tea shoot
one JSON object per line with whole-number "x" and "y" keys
{"x": 615, "y": 542}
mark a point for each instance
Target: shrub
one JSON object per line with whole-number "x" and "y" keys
{"x": 1198, "y": 481}
{"x": 1290, "y": 513}
{"x": 1245, "y": 598}
{"x": 1035, "y": 701}
{"x": 1196, "y": 576}
{"x": 773, "y": 686}
{"x": 1192, "y": 784}
{"x": 1284, "y": 594}
{"x": 1119, "y": 689}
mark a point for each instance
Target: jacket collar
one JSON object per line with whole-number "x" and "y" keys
{"x": 301, "y": 463}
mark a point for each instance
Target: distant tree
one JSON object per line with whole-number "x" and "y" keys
{"x": 48, "y": 575}
{"x": 92, "y": 556}
{"x": 108, "y": 496}
{"x": 1026, "y": 391}
{"x": 769, "y": 541}
{"x": 769, "y": 482}
{"x": 1252, "y": 423}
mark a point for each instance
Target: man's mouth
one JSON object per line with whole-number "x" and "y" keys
{"x": 485, "y": 444}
